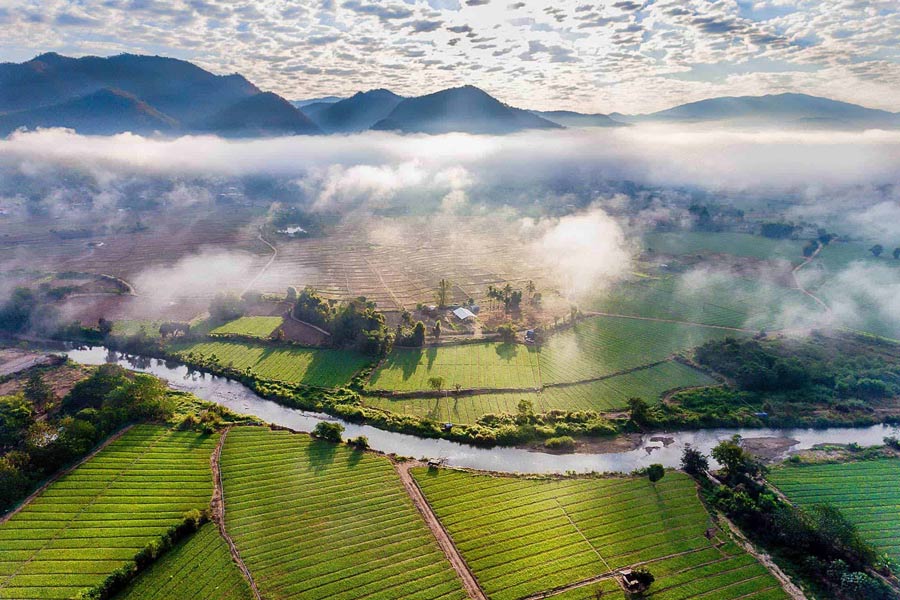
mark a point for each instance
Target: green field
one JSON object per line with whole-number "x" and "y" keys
{"x": 600, "y": 346}
{"x": 260, "y": 327}
{"x": 866, "y": 492}
{"x": 199, "y": 567}
{"x": 736, "y": 244}
{"x": 522, "y": 536}
{"x": 486, "y": 365}
{"x": 317, "y": 367}
{"x": 710, "y": 299}
{"x": 316, "y": 520}
{"x": 605, "y": 395}
{"x": 97, "y": 518}
{"x": 595, "y": 347}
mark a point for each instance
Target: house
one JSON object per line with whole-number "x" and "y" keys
{"x": 463, "y": 314}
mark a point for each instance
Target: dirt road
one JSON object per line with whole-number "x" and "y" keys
{"x": 218, "y": 514}
{"x": 459, "y": 565}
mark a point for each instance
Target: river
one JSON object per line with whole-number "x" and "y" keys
{"x": 241, "y": 399}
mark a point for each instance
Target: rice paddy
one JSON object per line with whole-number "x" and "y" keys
{"x": 258, "y": 327}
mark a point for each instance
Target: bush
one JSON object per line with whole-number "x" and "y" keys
{"x": 329, "y": 431}
{"x": 563, "y": 442}
{"x": 361, "y": 442}
{"x": 655, "y": 472}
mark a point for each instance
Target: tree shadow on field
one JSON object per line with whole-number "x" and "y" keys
{"x": 507, "y": 351}
{"x": 320, "y": 455}
{"x": 356, "y": 455}
{"x": 409, "y": 362}
{"x": 431, "y": 355}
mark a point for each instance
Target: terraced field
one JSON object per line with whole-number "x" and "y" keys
{"x": 522, "y": 537}
{"x": 260, "y": 327}
{"x": 316, "y": 367}
{"x": 316, "y": 520}
{"x": 866, "y": 492}
{"x": 199, "y": 567}
{"x": 486, "y": 365}
{"x": 96, "y": 519}
{"x": 604, "y": 395}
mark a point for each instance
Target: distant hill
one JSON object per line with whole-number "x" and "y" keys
{"x": 322, "y": 100}
{"x": 261, "y": 115}
{"x": 569, "y": 118}
{"x": 98, "y": 113}
{"x": 465, "y": 109}
{"x": 792, "y": 109}
{"x": 357, "y": 113}
{"x": 55, "y": 90}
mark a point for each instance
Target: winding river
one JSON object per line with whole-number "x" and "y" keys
{"x": 239, "y": 398}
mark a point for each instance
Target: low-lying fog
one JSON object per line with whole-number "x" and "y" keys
{"x": 575, "y": 200}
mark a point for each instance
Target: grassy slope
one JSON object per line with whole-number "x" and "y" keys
{"x": 866, "y": 492}
{"x": 198, "y": 567}
{"x": 323, "y": 368}
{"x": 95, "y": 519}
{"x": 523, "y": 536}
{"x": 316, "y": 520}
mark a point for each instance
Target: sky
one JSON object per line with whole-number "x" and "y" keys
{"x": 625, "y": 56}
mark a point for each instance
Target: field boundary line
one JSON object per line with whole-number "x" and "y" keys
{"x": 265, "y": 266}
{"x": 786, "y": 584}
{"x": 596, "y": 313}
{"x": 612, "y": 574}
{"x": 584, "y": 537}
{"x": 63, "y": 473}
{"x": 218, "y": 512}
{"x": 86, "y": 507}
{"x": 470, "y": 583}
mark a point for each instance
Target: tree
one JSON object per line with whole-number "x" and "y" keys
{"x": 694, "y": 462}
{"x": 329, "y": 431}
{"x": 437, "y": 329}
{"x": 507, "y": 333}
{"x": 443, "y": 293}
{"x": 655, "y": 472}
{"x": 525, "y": 410}
{"x": 37, "y": 390}
{"x": 640, "y": 410}
{"x": 644, "y": 579}
{"x": 876, "y": 250}
{"x": 418, "y": 336}
{"x": 736, "y": 462}
{"x": 896, "y": 253}
{"x": 225, "y": 307}
{"x": 104, "y": 327}
{"x": 530, "y": 288}
{"x": 291, "y": 294}
{"x": 436, "y": 383}
{"x": 16, "y": 416}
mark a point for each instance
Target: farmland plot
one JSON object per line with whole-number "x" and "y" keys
{"x": 260, "y": 327}
{"x": 486, "y": 365}
{"x": 736, "y": 244}
{"x": 309, "y": 366}
{"x": 610, "y": 394}
{"x": 866, "y": 492}
{"x": 601, "y": 346}
{"x": 96, "y": 519}
{"x": 198, "y": 567}
{"x": 521, "y": 537}
{"x": 315, "y": 520}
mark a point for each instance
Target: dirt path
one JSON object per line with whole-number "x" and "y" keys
{"x": 800, "y": 287}
{"x": 459, "y": 565}
{"x": 218, "y": 513}
{"x": 63, "y": 473}
{"x": 265, "y": 266}
{"x": 786, "y": 584}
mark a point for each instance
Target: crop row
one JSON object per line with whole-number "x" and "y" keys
{"x": 317, "y": 367}
{"x": 866, "y": 492}
{"x": 198, "y": 567}
{"x": 315, "y": 520}
{"x": 95, "y": 519}
{"x": 523, "y": 536}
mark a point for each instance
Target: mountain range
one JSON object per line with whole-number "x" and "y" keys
{"x": 167, "y": 96}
